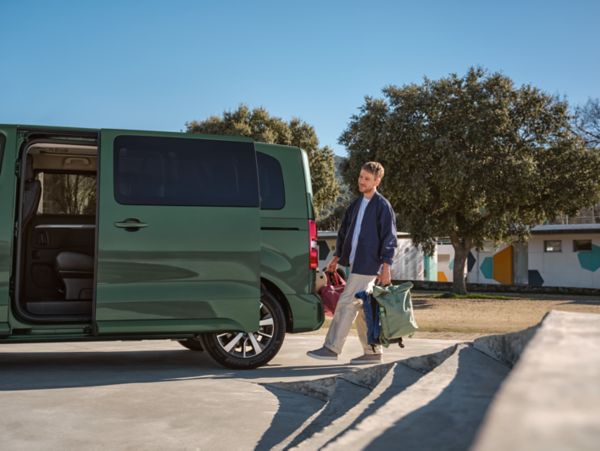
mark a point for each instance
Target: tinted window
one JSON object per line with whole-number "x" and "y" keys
{"x": 272, "y": 192}
{"x": 582, "y": 245}
{"x": 179, "y": 171}
{"x": 2, "y": 141}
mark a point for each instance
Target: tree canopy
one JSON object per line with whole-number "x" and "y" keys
{"x": 259, "y": 125}
{"x": 587, "y": 122}
{"x": 473, "y": 158}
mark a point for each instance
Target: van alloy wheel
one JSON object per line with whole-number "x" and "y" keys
{"x": 246, "y": 345}
{"x": 245, "y": 350}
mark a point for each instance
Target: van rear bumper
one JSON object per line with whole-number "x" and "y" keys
{"x": 307, "y": 312}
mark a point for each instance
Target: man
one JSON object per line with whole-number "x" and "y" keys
{"x": 366, "y": 242}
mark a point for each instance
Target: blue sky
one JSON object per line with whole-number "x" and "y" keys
{"x": 157, "y": 64}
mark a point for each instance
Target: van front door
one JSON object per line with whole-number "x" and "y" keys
{"x": 178, "y": 234}
{"x": 7, "y": 201}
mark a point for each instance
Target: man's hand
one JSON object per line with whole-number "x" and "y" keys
{"x": 385, "y": 277}
{"x": 333, "y": 265}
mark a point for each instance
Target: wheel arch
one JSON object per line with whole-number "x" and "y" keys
{"x": 282, "y": 300}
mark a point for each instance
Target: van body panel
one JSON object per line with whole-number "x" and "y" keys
{"x": 308, "y": 312}
{"x": 284, "y": 232}
{"x": 8, "y": 145}
{"x": 189, "y": 263}
{"x": 285, "y": 239}
{"x": 170, "y": 326}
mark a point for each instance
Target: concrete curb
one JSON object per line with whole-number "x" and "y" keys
{"x": 551, "y": 400}
{"x": 352, "y": 396}
{"x": 430, "y": 413}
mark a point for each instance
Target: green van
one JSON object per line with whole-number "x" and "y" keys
{"x": 135, "y": 235}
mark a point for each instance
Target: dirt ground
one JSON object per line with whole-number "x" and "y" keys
{"x": 466, "y": 319}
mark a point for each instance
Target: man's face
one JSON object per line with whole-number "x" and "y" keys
{"x": 367, "y": 182}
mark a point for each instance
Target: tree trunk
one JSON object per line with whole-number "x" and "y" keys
{"x": 461, "y": 251}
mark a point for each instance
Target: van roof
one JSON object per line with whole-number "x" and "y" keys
{"x": 53, "y": 128}
{"x": 47, "y": 128}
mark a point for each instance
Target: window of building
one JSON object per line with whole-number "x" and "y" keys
{"x": 67, "y": 194}
{"x": 182, "y": 171}
{"x": 582, "y": 245}
{"x": 552, "y": 246}
{"x": 270, "y": 176}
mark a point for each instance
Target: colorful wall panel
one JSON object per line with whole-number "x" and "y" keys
{"x": 493, "y": 265}
{"x": 566, "y": 267}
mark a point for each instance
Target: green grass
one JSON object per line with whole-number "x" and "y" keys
{"x": 448, "y": 295}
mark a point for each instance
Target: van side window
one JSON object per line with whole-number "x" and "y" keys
{"x": 272, "y": 191}
{"x": 179, "y": 171}
{"x": 67, "y": 194}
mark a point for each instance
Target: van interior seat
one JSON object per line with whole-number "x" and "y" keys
{"x": 76, "y": 270}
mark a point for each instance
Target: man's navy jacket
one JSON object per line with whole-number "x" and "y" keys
{"x": 377, "y": 240}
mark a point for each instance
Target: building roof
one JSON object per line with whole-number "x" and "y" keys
{"x": 548, "y": 229}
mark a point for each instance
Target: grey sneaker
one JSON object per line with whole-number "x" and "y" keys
{"x": 367, "y": 358}
{"x": 322, "y": 354}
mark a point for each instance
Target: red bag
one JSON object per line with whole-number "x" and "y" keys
{"x": 330, "y": 293}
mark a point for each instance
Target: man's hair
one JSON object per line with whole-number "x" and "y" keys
{"x": 374, "y": 168}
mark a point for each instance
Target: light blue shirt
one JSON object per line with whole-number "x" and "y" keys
{"x": 357, "y": 226}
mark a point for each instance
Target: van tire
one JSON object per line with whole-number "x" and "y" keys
{"x": 193, "y": 344}
{"x": 270, "y": 309}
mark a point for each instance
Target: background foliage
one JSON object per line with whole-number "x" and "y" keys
{"x": 473, "y": 158}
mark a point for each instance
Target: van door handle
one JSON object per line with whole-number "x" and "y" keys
{"x": 131, "y": 224}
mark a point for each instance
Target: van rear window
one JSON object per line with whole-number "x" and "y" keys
{"x": 180, "y": 171}
{"x": 272, "y": 192}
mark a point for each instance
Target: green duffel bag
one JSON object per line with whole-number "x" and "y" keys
{"x": 395, "y": 311}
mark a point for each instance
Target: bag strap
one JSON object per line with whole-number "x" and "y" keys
{"x": 333, "y": 278}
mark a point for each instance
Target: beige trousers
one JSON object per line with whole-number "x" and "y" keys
{"x": 348, "y": 309}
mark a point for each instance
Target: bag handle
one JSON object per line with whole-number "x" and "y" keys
{"x": 333, "y": 278}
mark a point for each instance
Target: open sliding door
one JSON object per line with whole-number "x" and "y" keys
{"x": 178, "y": 234}
{"x": 8, "y": 146}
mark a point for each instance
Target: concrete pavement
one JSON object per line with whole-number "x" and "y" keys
{"x": 158, "y": 395}
{"x": 433, "y": 394}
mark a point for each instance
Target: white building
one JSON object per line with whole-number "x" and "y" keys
{"x": 555, "y": 256}
{"x": 564, "y": 256}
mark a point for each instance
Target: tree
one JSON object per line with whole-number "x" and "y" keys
{"x": 473, "y": 158}
{"x": 71, "y": 194}
{"x": 331, "y": 217}
{"x": 587, "y": 122}
{"x": 587, "y": 125}
{"x": 259, "y": 125}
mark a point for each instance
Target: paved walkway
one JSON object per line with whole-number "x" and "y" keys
{"x": 158, "y": 395}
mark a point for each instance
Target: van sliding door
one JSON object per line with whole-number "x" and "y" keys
{"x": 7, "y": 201}
{"x": 178, "y": 234}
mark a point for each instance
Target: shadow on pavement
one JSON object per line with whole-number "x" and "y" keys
{"x": 50, "y": 370}
{"x": 455, "y": 415}
{"x": 294, "y": 409}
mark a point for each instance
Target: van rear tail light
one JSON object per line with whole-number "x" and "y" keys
{"x": 313, "y": 251}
